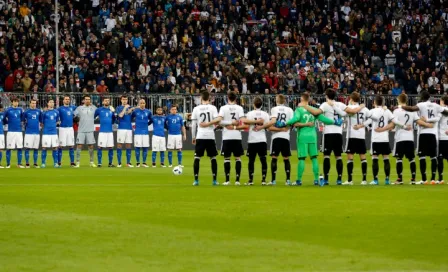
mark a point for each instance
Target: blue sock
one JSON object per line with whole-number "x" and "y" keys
{"x": 35, "y": 155}
{"x": 8, "y": 157}
{"x": 19, "y": 156}
{"x": 55, "y": 156}
{"x": 170, "y": 157}
{"x": 60, "y": 155}
{"x": 100, "y": 155}
{"x": 43, "y": 156}
{"x": 162, "y": 157}
{"x": 145, "y": 154}
{"x": 111, "y": 155}
{"x": 71, "y": 153}
{"x": 137, "y": 154}
{"x": 128, "y": 155}
{"x": 1, "y": 156}
{"x": 27, "y": 156}
{"x": 179, "y": 157}
{"x": 119, "y": 152}
{"x": 154, "y": 157}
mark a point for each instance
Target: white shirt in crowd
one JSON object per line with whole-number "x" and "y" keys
{"x": 110, "y": 24}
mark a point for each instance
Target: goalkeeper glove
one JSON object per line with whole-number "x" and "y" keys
{"x": 338, "y": 122}
{"x": 280, "y": 124}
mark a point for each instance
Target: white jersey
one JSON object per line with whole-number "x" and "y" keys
{"x": 407, "y": 118}
{"x": 429, "y": 110}
{"x": 356, "y": 119}
{"x": 282, "y": 113}
{"x": 443, "y": 127}
{"x": 204, "y": 113}
{"x": 257, "y": 136}
{"x": 231, "y": 113}
{"x": 330, "y": 112}
{"x": 380, "y": 119}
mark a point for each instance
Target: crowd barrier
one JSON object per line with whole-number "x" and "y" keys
{"x": 185, "y": 103}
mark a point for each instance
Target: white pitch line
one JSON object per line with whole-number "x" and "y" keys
{"x": 178, "y": 185}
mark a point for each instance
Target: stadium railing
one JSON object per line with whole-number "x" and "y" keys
{"x": 185, "y": 103}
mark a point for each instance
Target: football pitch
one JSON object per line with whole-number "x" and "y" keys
{"x": 150, "y": 220}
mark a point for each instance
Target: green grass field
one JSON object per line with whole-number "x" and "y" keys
{"x": 150, "y": 220}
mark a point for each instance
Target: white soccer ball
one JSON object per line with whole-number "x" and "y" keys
{"x": 177, "y": 170}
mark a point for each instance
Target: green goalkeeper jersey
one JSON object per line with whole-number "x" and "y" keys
{"x": 307, "y": 135}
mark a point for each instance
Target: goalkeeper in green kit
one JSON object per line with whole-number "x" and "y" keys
{"x": 304, "y": 121}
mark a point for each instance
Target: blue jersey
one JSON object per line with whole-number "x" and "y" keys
{"x": 66, "y": 114}
{"x": 1, "y": 121}
{"x": 50, "y": 120}
{"x": 124, "y": 122}
{"x": 174, "y": 123}
{"x": 31, "y": 117}
{"x": 13, "y": 117}
{"x": 142, "y": 121}
{"x": 107, "y": 118}
{"x": 158, "y": 122}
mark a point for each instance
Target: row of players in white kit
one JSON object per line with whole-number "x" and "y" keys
{"x": 432, "y": 137}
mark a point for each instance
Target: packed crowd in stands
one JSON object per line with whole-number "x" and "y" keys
{"x": 252, "y": 46}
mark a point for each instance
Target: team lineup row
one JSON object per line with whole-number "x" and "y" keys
{"x": 36, "y": 121}
{"x": 428, "y": 116}
{"x": 432, "y": 135}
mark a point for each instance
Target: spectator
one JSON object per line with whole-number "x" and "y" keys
{"x": 396, "y": 90}
{"x": 370, "y": 42}
{"x": 390, "y": 62}
{"x": 71, "y": 86}
{"x": 102, "y": 88}
{"x": 120, "y": 88}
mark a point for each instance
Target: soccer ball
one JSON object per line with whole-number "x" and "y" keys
{"x": 177, "y": 170}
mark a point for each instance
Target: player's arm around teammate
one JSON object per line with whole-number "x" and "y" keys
{"x": 306, "y": 137}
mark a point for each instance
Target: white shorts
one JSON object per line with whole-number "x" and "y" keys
{"x": 158, "y": 143}
{"x": 174, "y": 142}
{"x": 14, "y": 140}
{"x": 2, "y": 140}
{"x": 50, "y": 141}
{"x": 141, "y": 140}
{"x": 124, "y": 136}
{"x": 66, "y": 136}
{"x": 105, "y": 139}
{"x": 32, "y": 141}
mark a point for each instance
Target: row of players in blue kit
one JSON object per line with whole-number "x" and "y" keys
{"x": 34, "y": 119}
